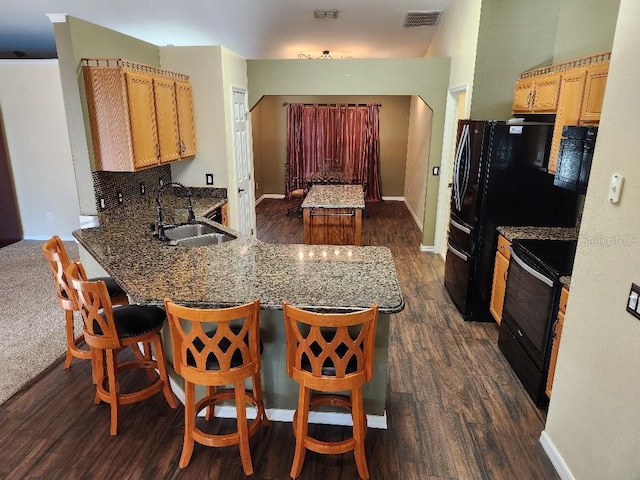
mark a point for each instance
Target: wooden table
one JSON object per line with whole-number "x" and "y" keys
{"x": 333, "y": 215}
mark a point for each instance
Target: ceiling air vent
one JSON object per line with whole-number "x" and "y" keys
{"x": 422, "y": 19}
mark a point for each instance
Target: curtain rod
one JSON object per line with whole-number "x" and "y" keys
{"x": 335, "y": 104}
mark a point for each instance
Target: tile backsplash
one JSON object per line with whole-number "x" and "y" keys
{"x": 114, "y": 189}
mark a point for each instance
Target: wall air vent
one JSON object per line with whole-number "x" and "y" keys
{"x": 422, "y": 19}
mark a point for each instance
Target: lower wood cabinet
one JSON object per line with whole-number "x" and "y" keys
{"x": 224, "y": 213}
{"x": 499, "y": 286}
{"x": 557, "y": 333}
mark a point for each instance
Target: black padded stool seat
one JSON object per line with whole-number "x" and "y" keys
{"x": 134, "y": 320}
{"x": 112, "y": 287}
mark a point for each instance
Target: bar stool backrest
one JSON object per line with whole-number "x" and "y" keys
{"x": 96, "y": 309}
{"x": 56, "y": 255}
{"x": 330, "y": 351}
{"x": 215, "y": 346}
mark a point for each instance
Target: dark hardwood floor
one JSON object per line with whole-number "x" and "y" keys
{"x": 455, "y": 409}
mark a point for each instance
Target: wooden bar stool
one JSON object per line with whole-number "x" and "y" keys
{"x": 330, "y": 352}
{"x": 214, "y": 348}
{"x": 108, "y": 330}
{"x": 58, "y": 261}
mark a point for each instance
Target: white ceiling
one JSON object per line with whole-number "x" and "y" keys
{"x": 271, "y": 29}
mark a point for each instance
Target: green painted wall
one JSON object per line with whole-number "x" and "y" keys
{"x": 514, "y": 35}
{"x": 425, "y": 77}
{"x": 585, "y": 27}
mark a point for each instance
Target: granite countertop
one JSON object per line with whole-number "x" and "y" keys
{"x": 566, "y": 280}
{"x": 541, "y": 233}
{"x": 334, "y": 196}
{"x": 235, "y": 272}
{"x": 544, "y": 233}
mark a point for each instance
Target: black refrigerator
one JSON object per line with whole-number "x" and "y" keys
{"x": 500, "y": 178}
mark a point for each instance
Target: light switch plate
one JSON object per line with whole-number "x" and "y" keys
{"x": 209, "y": 178}
{"x": 615, "y": 187}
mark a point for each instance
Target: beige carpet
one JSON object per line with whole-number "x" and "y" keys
{"x": 31, "y": 322}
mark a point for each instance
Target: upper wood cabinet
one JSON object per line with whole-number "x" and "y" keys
{"x": 167, "y": 119}
{"x": 594, "y": 93}
{"x": 186, "y": 123}
{"x": 536, "y": 94}
{"x": 573, "y": 90}
{"x": 140, "y": 116}
{"x": 569, "y": 106}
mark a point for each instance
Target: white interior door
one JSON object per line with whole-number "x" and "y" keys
{"x": 243, "y": 163}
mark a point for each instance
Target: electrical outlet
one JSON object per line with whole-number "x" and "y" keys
{"x": 436, "y": 171}
{"x": 209, "y": 178}
{"x": 160, "y": 182}
{"x": 633, "y": 302}
{"x": 120, "y": 198}
{"x": 102, "y": 204}
{"x": 142, "y": 188}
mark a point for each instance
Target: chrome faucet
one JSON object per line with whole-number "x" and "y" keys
{"x": 191, "y": 217}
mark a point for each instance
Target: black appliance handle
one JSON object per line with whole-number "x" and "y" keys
{"x": 455, "y": 224}
{"x": 458, "y": 253}
{"x": 529, "y": 270}
{"x": 461, "y": 169}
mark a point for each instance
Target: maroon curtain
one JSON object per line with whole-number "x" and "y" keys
{"x": 346, "y": 135}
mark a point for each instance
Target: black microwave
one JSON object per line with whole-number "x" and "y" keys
{"x": 574, "y": 157}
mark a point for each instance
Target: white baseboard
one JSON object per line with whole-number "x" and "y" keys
{"x": 413, "y": 214}
{"x": 428, "y": 248}
{"x": 284, "y": 415}
{"x": 556, "y": 459}
{"x": 269, "y": 195}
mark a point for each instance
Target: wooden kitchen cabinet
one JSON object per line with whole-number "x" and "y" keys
{"x": 499, "y": 285}
{"x": 224, "y": 213}
{"x": 166, "y": 119}
{"x": 569, "y": 107}
{"x": 140, "y": 116}
{"x": 594, "y": 94}
{"x": 573, "y": 90}
{"x": 557, "y": 333}
{"x": 186, "y": 122}
{"x": 536, "y": 94}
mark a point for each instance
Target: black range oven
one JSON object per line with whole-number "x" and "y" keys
{"x": 531, "y": 308}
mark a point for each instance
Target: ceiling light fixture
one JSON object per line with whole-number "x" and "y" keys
{"x": 325, "y": 55}
{"x": 325, "y": 13}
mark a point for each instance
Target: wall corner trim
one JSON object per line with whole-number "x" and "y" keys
{"x": 57, "y": 17}
{"x": 555, "y": 457}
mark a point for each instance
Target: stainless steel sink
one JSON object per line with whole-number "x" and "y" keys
{"x": 189, "y": 230}
{"x": 196, "y": 235}
{"x": 203, "y": 240}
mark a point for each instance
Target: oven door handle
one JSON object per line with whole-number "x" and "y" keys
{"x": 458, "y": 253}
{"x": 529, "y": 270}
{"x": 455, "y": 224}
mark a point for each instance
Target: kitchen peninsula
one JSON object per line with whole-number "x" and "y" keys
{"x": 315, "y": 277}
{"x": 333, "y": 215}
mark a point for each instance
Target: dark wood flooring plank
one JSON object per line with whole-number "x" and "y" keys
{"x": 455, "y": 410}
